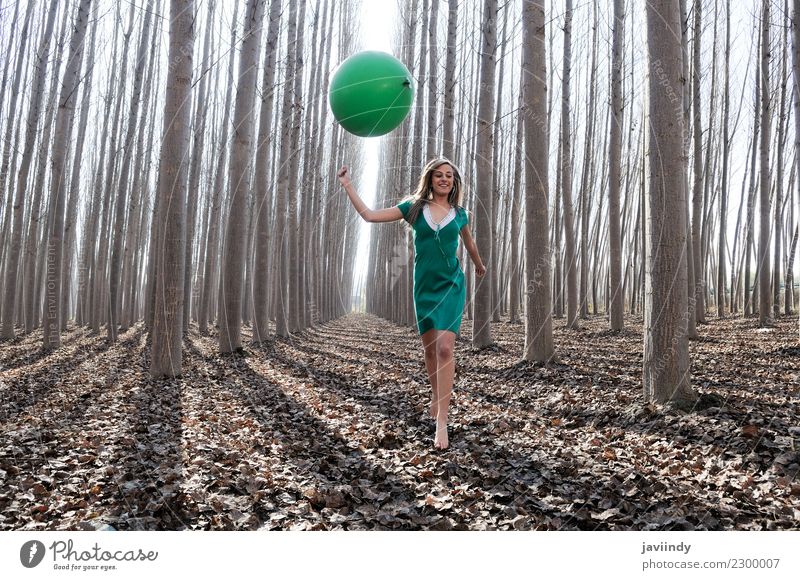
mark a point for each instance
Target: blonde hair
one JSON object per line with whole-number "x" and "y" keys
{"x": 424, "y": 190}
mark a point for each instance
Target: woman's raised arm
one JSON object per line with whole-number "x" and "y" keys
{"x": 389, "y": 214}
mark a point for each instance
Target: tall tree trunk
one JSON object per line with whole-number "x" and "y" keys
{"x": 796, "y": 81}
{"x": 41, "y": 208}
{"x": 167, "y": 333}
{"x": 778, "y": 223}
{"x": 230, "y": 320}
{"x": 538, "y": 302}
{"x": 749, "y": 307}
{"x": 127, "y": 157}
{"x": 570, "y": 256}
{"x": 723, "y": 207}
{"x": 615, "y": 151}
{"x": 481, "y": 330}
{"x": 99, "y": 294}
{"x": 764, "y": 201}
{"x": 212, "y": 243}
{"x": 55, "y": 246}
{"x": 496, "y": 272}
{"x": 697, "y": 190}
{"x": 198, "y": 145}
{"x": 282, "y": 247}
{"x": 74, "y": 187}
{"x": 691, "y": 329}
{"x": 448, "y": 117}
{"x": 261, "y": 293}
{"x": 586, "y": 183}
{"x": 432, "y": 53}
{"x": 515, "y": 207}
{"x": 134, "y": 244}
{"x": 666, "y": 347}
{"x": 293, "y": 254}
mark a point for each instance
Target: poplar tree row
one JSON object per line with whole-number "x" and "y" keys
{"x": 181, "y": 184}
{"x": 501, "y": 92}
{"x": 173, "y": 161}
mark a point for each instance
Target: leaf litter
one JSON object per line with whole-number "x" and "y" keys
{"x": 328, "y": 430}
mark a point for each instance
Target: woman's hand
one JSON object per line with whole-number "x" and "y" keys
{"x": 344, "y": 178}
{"x": 480, "y": 270}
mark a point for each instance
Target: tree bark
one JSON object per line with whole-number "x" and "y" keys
{"x": 666, "y": 347}
{"x": 481, "y": 330}
{"x": 615, "y": 151}
{"x": 764, "y": 295}
{"x": 697, "y": 190}
{"x": 282, "y": 246}
{"x": 212, "y": 243}
{"x": 796, "y": 104}
{"x": 55, "y": 247}
{"x": 121, "y": 203}
{"x": 261, "y": 294}
{"x": 448, "y": 117}
{"x": 723, "y": 207}
{"x": 167, "y": 333}
{"x": 230, "y": 319}
{"x": 538, "y": 302}
{"x": 570, "y": 256}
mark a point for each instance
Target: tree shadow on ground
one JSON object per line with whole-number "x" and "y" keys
{"x": 30, "y": 388}
{"x": 311, "y": 442}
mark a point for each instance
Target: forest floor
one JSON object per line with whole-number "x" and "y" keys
{"x": 328, "y": 430}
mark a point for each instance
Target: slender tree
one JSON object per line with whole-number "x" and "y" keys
{"x": 565, "y": 167}
{"x": 127, "y": 158}
{"x": 481, "y": 331}
{"x": 216, "y": 203}
{"x": 697, "y": 191}
{"x": 64, "y": 118}
{"x": 230, "y": 319}
{"x": 796, "y": 84}
{"x": 538, "y": 302}
{"x": 261, "y": 285}
{"x": 780, "y": 141}
{"x": 666, "y": 347}
{"x": 614, "y": 244}
{"x": 448, "y": 112}
{"x": 723, "y": 197}
{"x": 282, "y": 246}
{"x": 167, "y": 333}
{"x": 764, "y": 293}
{"x": 198, "y": 146}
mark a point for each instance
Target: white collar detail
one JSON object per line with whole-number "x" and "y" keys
{"x": 426, "y": 211}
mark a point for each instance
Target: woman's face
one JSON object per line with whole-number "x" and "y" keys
{"x": 442, "y": 179}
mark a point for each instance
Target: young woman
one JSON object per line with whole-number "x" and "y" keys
{"x": 436, "y": 217}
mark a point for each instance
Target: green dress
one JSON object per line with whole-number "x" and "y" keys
{"x": 439, "y": 288}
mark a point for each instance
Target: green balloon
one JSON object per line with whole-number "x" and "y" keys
{"x": 370, "y": 93}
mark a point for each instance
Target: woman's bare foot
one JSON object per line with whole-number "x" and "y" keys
{"x": 434, "y": 409}
{"x": 441, "y": 441}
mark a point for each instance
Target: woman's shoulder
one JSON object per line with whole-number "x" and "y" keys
{"x": 405, "y": 205}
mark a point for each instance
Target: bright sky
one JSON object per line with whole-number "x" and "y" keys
{"x": 377, "y": 25}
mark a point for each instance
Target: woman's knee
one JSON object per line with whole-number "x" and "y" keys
{"x": 430, "y": 351}
{"x": 444, "y": 350}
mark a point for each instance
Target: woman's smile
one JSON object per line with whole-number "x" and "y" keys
{"x": 443, "y": 180}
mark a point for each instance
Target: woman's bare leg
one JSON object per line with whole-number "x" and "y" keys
{"x": 431, "y": 364}
{"x": 445, "y": 343}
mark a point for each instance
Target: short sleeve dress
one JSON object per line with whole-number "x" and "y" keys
{"x": 439, "y": 288}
